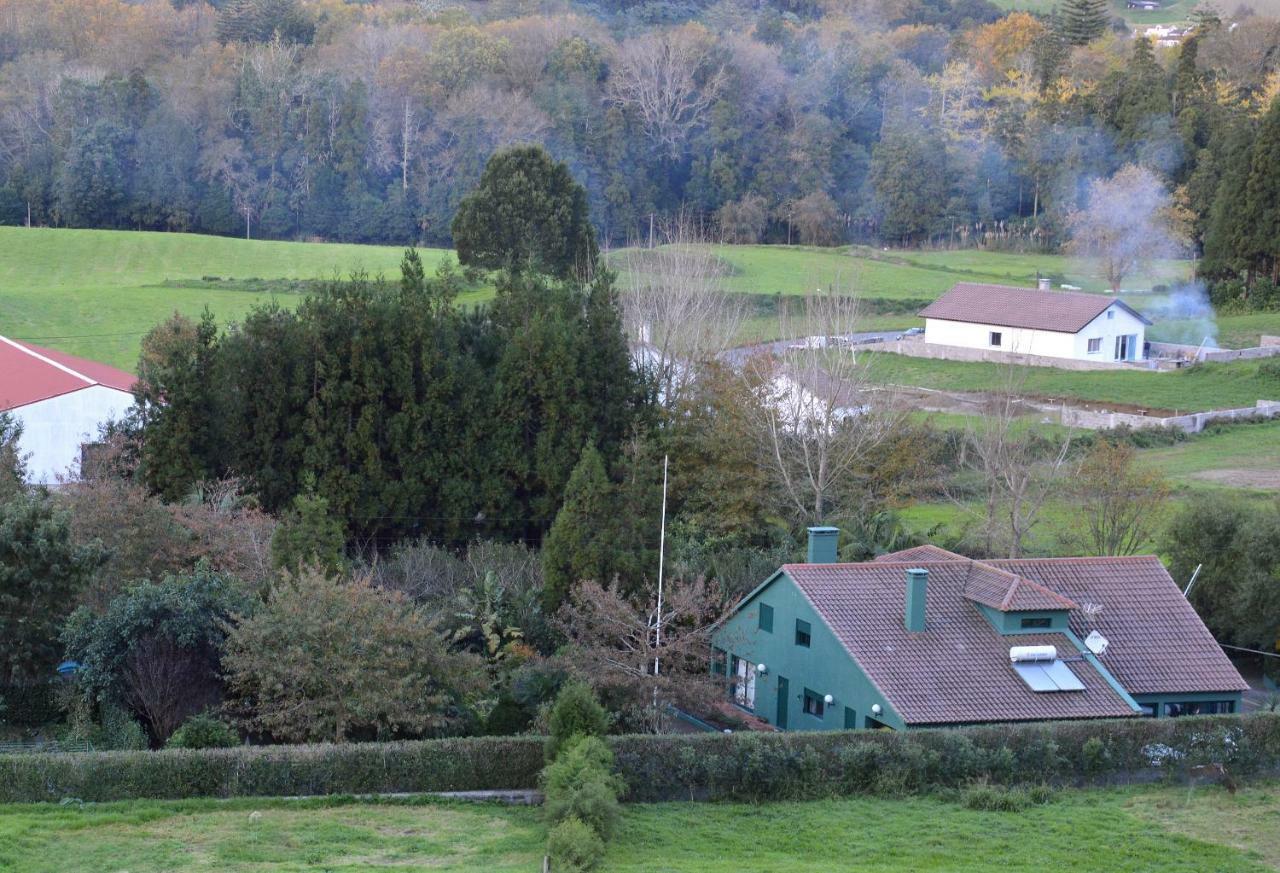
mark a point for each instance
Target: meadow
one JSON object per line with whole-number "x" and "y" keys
{"x": 1166, "y": 828}
{"x": 96, "y": 293}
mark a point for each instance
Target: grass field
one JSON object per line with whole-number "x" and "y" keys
{"x": 1169, "y": 829}
{"x": 95, "y": 293}
{"x": 1170, "y": 11}
{"x": 1209, "y": 386}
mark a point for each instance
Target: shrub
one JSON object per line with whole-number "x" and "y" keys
{"x": 580, "y": 784}
{"x": 574, "y": 847}
{"x": 203, "y": 731}
{"x": 575, "y": 713}
{"x": 1270, "y": 370}
{"x": 994, "y": 798}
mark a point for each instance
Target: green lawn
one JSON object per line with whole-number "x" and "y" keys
{"x": 1246, "y": 456}
{"x": 1170, "y": 11}
{"x": 95, "y": 293}
{"x": 1169, "y": 829}
{"x": 1208, "y": 386}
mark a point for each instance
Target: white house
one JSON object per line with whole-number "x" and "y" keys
{"x": 1030, "y": 321}
{"x": 60, "y": 401}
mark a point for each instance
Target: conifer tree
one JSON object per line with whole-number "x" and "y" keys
{"x": 1083, "y": 21}
{"x": 1262, "y": 197}
{"x": 581, "y": 542}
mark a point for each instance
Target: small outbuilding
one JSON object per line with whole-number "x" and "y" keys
{"x": 60, "y": 401}
{"x": 1036, "y": 321}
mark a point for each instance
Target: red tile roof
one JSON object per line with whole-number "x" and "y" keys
{"x": 30, "y": 373}
{"x": 1157, "y": 641}
{"x": 957, "y": 670}
{"x": 1009, "y": 592}
{"x": 1007, "y": 306}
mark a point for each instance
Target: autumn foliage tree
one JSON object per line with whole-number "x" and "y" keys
{"x": 333, "y": 659}
{"x": 1121, "y": 503}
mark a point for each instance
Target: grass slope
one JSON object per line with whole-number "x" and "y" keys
{"x": 1170, "y": 829}
{"x": 95, "y": 293}
{"x": 1208, "y": 386}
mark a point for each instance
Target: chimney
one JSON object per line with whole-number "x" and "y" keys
{"x": 1043, "y": 283}
{"x": 917, "y": 583}
{"x": 822, "y": 544}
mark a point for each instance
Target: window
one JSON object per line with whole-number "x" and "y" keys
{"x": 766, "y": 618}
{"x": 995, "y": 338}
{"x": 718, "y": 658}
{"x": 1095, "y": 345}
{"x": 813, "y": 704}
{"x": 1111, "y": 313}
{"x": 1037, "y": 622}
{"x": 802, "y": 633}
{"x": 744, "y": 683}
{"x": 1207, "y": 707}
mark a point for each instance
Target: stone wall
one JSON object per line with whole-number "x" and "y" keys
{"x": 1269, "y": 348}
{"x": 1194, "y": 423}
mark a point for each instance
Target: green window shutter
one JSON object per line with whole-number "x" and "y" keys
{"x": 766, "y": 618}
{"x": 803, "y": 635}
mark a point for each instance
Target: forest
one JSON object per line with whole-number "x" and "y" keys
{"x": 791, "y": 121}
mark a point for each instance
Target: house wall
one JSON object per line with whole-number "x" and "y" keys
{"x": 1159, "y": 700}
{"x": 1046, "y": 343}
{"x": 825, "y": 667}
{"x": 54, "y": 429}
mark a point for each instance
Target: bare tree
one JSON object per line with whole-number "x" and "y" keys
{"x": 1017, "y": 468}
{"x": 670, "y": 79}
{"x": 616, "y": 645}
{"x": 674, "y": 307}
{"x": 166, "y": 684}
{"x": 820, "y": 411}
{"x": 1121, "y": 505}
{"x": 1127, "y": 224}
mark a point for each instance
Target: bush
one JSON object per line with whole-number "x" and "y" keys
{"x": 994, "y": 798}
{"x": 574, "y": 847}
{"x": 472, "y": 764}
{"x": 203, "y": 731}
{"x": 575, "y": 713}
{"x": 580, "y": 784}
{"x": 1270, "y": 370}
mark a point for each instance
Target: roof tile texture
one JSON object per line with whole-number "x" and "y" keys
{"x": 1007, "y": 306}
{"x": 958, "y": 669}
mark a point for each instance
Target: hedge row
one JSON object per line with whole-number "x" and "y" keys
{"x": 700, "y": 766}
{"x": 469, "y": 764}
{"x": 804, "y": 765}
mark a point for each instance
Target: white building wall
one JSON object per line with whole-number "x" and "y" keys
{"x": 1050, "y": 343}
{"x": 54, "y": 429}
{"x": 1122, "y": 322}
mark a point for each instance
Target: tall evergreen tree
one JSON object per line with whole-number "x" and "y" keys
{"x": 1262, "y": 198}
{"x": 527, "y": 213}
{"x": 1229, "y": 223}
{"x": 1083, "y": 21}
{"x": 581, "y": 544}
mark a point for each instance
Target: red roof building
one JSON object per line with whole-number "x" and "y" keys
{"x": 60, "y": 401}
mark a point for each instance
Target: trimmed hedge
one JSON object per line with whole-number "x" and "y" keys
{"x": 469, "y": 764}
{"x": 682, "y": 766}
{"x": 755, "y": 767}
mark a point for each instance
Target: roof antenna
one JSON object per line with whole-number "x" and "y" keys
{"x": 1194, "y": 575}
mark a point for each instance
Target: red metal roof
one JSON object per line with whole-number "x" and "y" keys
{"x": 30, "y": 373}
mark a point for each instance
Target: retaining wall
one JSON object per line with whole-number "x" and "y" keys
{"x": 918, "y": 348}
{"x": 1269, "y": 348}
{"x": 1193, "y": 423}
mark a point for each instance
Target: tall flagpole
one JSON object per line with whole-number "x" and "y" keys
{"x": 662, "y": 546}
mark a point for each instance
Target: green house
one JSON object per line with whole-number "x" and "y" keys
{"x": 926, "y": 637}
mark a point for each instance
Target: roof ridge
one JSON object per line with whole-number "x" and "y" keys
{"x": 1016, "y": 582}
{"x": 50, "y": 361}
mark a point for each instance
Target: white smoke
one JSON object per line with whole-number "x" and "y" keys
{"x": 1184, "y": 315}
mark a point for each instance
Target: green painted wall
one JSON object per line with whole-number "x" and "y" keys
{"x": 825, "y": 667}
{"x": 1011, "y": 622}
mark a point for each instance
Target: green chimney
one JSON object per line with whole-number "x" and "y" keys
{"x": 917, "y": 584}
{"x": 822, "y": 544}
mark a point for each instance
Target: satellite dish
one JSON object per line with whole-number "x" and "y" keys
{"x": 1096, "y": 643}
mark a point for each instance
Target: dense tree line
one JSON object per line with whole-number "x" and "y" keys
{"x": 817, "y": 121}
